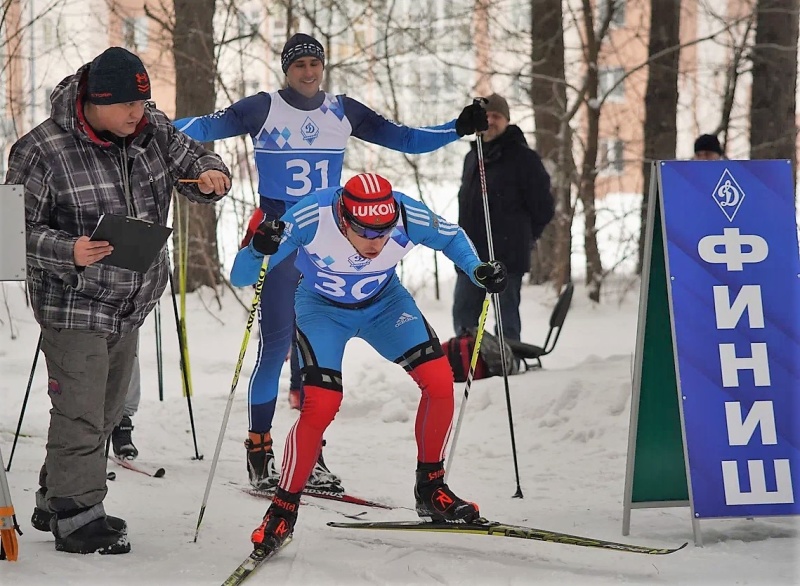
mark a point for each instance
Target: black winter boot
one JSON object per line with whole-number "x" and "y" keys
{"x": 40, "y": 520}
{"x": 97, "y": 536}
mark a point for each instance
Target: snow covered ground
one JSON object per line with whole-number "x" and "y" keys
{"x": 571, "y": 424}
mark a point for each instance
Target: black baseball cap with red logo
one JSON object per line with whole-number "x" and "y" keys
{"x": 368, "y": 205}
{"x": 117, "y": 76}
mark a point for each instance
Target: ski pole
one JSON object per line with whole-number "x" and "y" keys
{"x": 242, "y": 351}
{"x": 25, "y": 401}
{"x": 159, "y": 353}
{"x": 184, "y": 373}
{"x": 496, "y": 302}
{"x": 182, "y": 230}
{"x": 470, "y": 375}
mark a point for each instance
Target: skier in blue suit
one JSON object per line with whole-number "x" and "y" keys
{"x": 350, "y": 240}
{"x": 299, "y": 135}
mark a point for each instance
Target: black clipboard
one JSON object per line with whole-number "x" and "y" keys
{"x": 136, "y": 242}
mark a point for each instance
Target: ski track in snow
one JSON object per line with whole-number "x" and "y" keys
{"x": 571, "y": 427}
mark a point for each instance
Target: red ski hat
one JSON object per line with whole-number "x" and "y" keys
{"x": 367, "y": 201}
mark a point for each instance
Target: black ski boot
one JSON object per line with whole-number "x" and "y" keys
{"x": 95, "y": 537}
{"x": 122, "y": 441}
{"x": 322, "y": 478}
{"x": 278, "y": 523}
{"x": 261, "y": 467}
{"x": 40, "y": 520}
{"x": 436, "y": 502}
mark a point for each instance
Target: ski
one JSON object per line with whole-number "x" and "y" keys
{"x": 485, "y": 527}
{"x": 263, "y": 494}
{"x": 251, "y": 564}
{"x": 159, "y": 473}
{"x": 330, "y": 495}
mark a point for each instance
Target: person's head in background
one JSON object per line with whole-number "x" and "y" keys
{"x": 498, "y": 116}
{"x": 303, "y": 60}
{"x": 707, "y": 148}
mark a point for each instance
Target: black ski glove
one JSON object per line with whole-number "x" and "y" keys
{"x": 267, "y": 237}
{"x": 492, "y": 275}
{"x": 471, "y": 120}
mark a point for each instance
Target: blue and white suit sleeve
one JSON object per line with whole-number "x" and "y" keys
{"x": 370, "y": 126}
{"x": 298, "y": 232}
{"x": 244, "y": 117}
{"x": 431, "y": 230}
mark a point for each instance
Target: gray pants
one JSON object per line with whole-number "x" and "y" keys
{"x": 134, "y": 388}
{"x": 88, "y": 378}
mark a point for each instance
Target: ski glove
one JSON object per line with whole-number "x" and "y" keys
{"x": 267, "y": 237}
{"x": 471, "y": 120}
{"x": 492, "y": 275}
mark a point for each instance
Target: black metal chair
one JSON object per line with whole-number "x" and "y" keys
{"x": 527, "y": 352}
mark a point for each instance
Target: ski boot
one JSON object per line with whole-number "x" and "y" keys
{"x": 278, "y": 523}
{"x": 121, "y": 440}
{"x": 436, "y": 502}
{"x": 322, "y": 478}
{"x": 261, "y": 468}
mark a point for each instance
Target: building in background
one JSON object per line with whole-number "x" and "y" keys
{"x": 417, "y": 62}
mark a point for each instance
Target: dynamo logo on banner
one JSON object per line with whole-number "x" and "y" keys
{"x": 728, "y": 195}
{"x": 733, "y": 265}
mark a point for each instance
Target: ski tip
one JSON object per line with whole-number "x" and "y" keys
{"x": 159, "y": 473}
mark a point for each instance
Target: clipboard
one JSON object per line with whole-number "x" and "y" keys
{"x": 137, "y": 243}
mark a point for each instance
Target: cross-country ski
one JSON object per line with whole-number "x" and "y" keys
{"x": 493, "y": 528}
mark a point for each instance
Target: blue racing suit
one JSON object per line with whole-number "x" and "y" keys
{"x": 299, "y": 148}
{"x": 344, "y": 295}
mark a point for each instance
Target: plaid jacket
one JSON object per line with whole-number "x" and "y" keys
{"x": 71, "y": 177}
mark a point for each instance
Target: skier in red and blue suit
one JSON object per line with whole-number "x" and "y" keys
{"x": 350, "y": 240}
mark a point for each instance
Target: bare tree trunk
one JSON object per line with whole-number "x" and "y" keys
{"x": 553, "y": 138}
{"x": 586, "y": 192}
{"x": 483, "y": 60}
{"x": 773, "y": 128}
{"x": 195, "y": 72}
{"x": 661, "y": 97}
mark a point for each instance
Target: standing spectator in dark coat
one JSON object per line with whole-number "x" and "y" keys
{"x": 520, "y": 206}
{"x": 104, "y": 150}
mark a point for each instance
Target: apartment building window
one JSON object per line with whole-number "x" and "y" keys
{"x": 48, "y": 32}
{"x": 612, "y": 86}
{"x": 612, "y": 156}
{"x": 134, "y": 33}
{"x": 465, "y": 31}
{"x": 618, "y": 16}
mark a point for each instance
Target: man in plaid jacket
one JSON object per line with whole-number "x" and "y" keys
{"x": 104, "y": 150}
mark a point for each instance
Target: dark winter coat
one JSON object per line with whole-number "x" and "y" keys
{"x": 71, "y": 177}
{"x": 520, "y": 202}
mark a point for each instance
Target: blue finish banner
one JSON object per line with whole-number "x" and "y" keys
{"x": 733, "y": 266}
